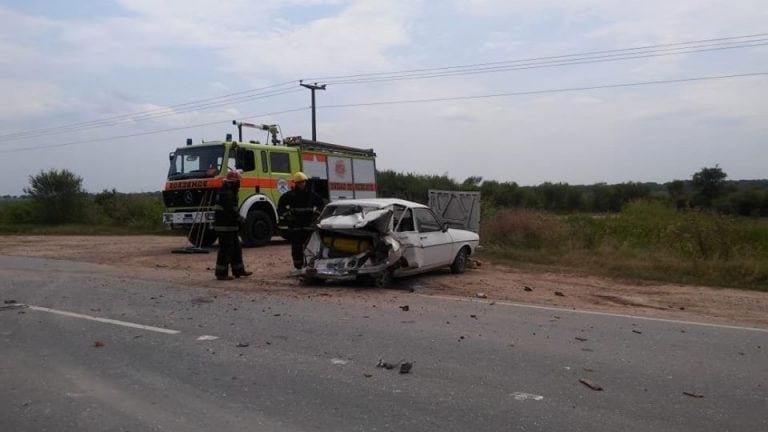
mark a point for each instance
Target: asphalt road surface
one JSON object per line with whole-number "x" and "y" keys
{"x": 90, "y": 349}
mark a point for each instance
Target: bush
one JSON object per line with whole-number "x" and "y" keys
{"x": 521, "y": 228}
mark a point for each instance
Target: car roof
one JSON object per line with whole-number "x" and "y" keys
{"x": 377, "y": 202}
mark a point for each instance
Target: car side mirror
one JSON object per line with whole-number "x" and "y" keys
{"x": 445, "y": 226}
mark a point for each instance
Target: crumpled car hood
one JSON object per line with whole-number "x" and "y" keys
{"x": 376, "y": 220}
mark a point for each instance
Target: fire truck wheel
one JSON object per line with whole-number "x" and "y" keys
{"x": 205, "y": 239}
{"x": 257, "y": 230}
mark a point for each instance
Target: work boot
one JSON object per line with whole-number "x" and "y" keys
{"x": 224, "y": 277}
{"x": 243, "y": 274}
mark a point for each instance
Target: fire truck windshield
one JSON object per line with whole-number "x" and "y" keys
{"x": 197, "y": 162}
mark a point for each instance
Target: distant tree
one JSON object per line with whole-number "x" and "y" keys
{"x": 472, "y": 182}
{"x": 677, "y": 193}
{"x": 58, "y": 196}
{"x": 708, "y": 185}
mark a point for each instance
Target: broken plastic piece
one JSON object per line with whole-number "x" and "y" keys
{"x": 406, "y": 367}
{"x": 590, "y": 384}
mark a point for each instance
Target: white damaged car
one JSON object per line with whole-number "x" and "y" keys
{"x": 378, "y": 239}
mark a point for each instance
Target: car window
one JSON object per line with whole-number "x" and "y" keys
{"x": 426, "y": 220}
{"x": 405, "y": 223}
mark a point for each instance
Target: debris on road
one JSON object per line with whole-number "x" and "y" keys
{"x": 693, "y": 395}
{"x": 11, "y": 306}
{"x": 581, "y": 339}
{"x": 637, "y": 331}
{"x": 405, "y": 308}
{"x": 385, "y": 365}
{"x": 9, "y": 301}
{"x": 242, "y": 345}
{"x": 207, "y": 338}
{"x": 406, "y": 367}
{"x": 527, "y": 288}
{"x": 590, "y": 384}
{"x": 338, "y": 361}
{"x": 559, "y": 294}
{"x": 481, "y": 295}
{"x": 587, "y": 370}
{"x": 473, "y": 316}
{"x": 367, "y": 375}
{"x": 201, "y": 300}
{"x": 98, "y": 344}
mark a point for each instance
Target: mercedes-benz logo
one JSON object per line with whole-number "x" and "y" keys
{"x": 188, "y": 198}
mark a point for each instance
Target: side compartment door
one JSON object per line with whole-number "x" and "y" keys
{"x": 437, "y": 245}
{"x": 340, "y": 180}
{"x": 364, "y": 173}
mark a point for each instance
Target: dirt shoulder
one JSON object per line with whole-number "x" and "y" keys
{"x": 150, "y": 257}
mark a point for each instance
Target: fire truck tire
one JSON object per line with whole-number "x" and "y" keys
{"x": 206, "y": 239}
{"x": 257, "y": 230}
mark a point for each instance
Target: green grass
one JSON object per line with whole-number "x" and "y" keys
{"x": 78, "y": 229}
{"x": 645, "y": 242}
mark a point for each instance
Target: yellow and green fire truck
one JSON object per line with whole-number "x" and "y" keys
{"x": 196, "y": 172}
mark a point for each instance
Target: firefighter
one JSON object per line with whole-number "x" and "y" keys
{"x": 299, "y": 207}
{"x": 227, "y": 224}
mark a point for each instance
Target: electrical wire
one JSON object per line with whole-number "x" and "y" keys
{"x": 535, "y": 92}
{"x": 152, "y": 132}
{"x": 733, "y": 39}
{"x": 410, "y": 101}
{"x": 180, "y": 108}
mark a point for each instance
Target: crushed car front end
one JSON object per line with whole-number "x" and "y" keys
{"x": 351, "y": 245}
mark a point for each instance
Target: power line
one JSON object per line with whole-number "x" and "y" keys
{"x": 186, "y": 106}
{"x": 411, "y": 101}
{"x": 97, "y": 125}
{"x": 586, "y": 53}
{"x": 534, "y": 92}
{"x": 153, "y": 132}
{"x": 544, "y": 64}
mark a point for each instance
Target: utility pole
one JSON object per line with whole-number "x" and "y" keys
{"x": 312, "y": 88}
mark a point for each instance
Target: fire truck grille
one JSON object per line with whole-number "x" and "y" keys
{"x": 188, "y": 198}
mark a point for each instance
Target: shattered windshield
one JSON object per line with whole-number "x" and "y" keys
{"x": 197, "y": 162}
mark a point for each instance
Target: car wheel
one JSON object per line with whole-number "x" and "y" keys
{"x": 384, "y": 280}
{"x": 460, "y": 262}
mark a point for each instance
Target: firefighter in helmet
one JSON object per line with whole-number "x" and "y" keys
{"x": 299, "y": 207}
{"x": 227, "y": 225}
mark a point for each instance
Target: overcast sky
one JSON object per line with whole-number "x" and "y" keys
{"x": 77, "y": 61}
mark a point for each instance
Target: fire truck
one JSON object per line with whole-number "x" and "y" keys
{"x": 197, "y": 171}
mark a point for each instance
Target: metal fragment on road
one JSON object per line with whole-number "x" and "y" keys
{"x": 242, "y": 345}
{"x": 581, "y": 339}
{"x": 338, "y": 361}
{"x": 406, "y": 367}
{"x": 590, "y": 384}
{"x": 637, "y": 331}
{"x": 521, "y": 396}
{"x": 98, "y": 344}
{"x": 207, "y": 338}
{"x": 693, "y": 395}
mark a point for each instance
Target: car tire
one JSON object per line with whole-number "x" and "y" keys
{"x": 202, "y": 236}
{"x": 459, "y": 264}
{"x": 257, "y": 229}
{"x": 384, "y": 279}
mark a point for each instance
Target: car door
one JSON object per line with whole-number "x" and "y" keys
{"x": 436, "y": 244}
{"x": 405, "y": 232}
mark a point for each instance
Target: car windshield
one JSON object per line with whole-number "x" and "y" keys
{"x": 197, "y": 162}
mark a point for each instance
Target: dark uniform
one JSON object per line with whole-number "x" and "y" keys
{"x": 227, "y": 225}
{"x": 298, "y": 207}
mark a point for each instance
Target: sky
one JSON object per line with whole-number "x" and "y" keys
{"x": 136, "y": 63}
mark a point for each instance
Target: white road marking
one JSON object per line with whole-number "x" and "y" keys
{"x": 104, "y": 320}
{"x": 207, "y": 338}
{"x": 580, "y": 311}
{"x": 521, "y": 396}
{"x": 337, "y": 361}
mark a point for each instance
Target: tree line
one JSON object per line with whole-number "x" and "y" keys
{"x": 707, "y": 189}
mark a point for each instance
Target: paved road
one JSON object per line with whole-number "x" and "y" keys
{"x": 310, "y": 363}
